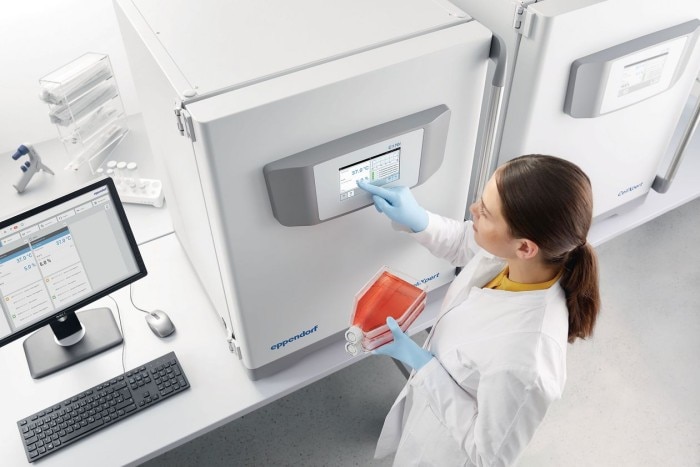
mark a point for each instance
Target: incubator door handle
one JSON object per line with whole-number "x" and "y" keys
{"x": 662, "y": 184}
{"x": 490, "y": 145}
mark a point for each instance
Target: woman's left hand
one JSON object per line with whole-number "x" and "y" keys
{"x": 403, "y": 348}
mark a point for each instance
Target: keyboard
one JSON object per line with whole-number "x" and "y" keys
{"x": 66, "y": 422}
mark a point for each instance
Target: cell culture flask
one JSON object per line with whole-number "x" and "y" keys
{"x": 388, "y": 293}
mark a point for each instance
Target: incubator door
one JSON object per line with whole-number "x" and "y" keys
{"x": 303, "y": 296}
{"x": 606, "y": 91}
{"x": 250, "y": 84}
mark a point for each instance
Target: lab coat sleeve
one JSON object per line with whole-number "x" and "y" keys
{"x": 496, "y": 426}
{"x": 448, "y": 239}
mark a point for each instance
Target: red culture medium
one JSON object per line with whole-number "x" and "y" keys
{"x": 388, "y": 296}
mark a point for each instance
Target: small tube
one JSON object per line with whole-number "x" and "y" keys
{"x": 132, "y": 175}
{"x": 121, "y": 171}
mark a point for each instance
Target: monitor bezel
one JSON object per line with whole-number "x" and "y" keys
{"x": 133, "y": 245}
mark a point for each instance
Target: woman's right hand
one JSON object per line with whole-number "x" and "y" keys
{"x": 398, "y": 204}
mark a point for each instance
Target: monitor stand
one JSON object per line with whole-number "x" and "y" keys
{"x": 71, "y": 340}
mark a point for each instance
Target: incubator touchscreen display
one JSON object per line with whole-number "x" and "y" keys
{"x": 378, "y": 170}
{"x": 642, "y": 74}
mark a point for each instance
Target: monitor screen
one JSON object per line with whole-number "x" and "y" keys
{"x": 60, "y": 256}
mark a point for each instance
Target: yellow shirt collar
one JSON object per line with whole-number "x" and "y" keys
{"x": 501, "y": 282}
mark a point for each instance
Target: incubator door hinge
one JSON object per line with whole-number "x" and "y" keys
{"x": 522, "y": 19}
{"x": 184, "y": 121}
{"x": 234, "y": 347}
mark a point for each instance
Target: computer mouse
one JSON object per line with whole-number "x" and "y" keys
{"x": 160, "y": 323}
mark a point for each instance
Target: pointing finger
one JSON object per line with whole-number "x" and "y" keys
{"x": 378, "y": 191}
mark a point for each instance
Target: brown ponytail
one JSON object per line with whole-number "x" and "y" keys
{"x": 548, "y": 200}
{"x": 580, "y": 283}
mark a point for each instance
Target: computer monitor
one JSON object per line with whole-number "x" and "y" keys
{"x": 57, "y": 258}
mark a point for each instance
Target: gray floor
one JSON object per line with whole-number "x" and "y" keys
{"x": 632, "y": 395}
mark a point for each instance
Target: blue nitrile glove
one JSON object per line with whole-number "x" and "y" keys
{"x": 398, "y": 204}
{"x": 403, "y": 348}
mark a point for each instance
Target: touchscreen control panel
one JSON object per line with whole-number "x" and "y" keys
{"x": 321, "y": 183}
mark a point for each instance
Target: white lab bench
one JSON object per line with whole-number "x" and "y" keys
{"x": 220, "y": 388}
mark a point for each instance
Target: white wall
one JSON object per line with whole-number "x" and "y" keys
{"x": 39, "y": 36}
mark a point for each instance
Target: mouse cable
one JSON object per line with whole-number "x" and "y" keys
{"x": 121, "y": 329}
{"x": 131, "y": 297}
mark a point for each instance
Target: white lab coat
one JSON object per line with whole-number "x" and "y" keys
{"x": 500, "y": 361}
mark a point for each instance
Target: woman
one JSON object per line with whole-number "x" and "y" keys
{"x": 496, "y": 357}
